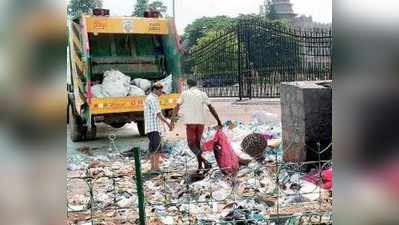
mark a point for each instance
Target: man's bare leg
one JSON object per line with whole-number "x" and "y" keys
{"x": 152, "y": 161}
{"x": 207, "y": 165}
{"x": 199, "y": 160}
{"x": 157, "y": 156}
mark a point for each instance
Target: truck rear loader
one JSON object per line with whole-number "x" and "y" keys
{"x": 139, "y": 47}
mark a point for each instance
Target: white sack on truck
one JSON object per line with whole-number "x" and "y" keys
{"x": 97, "y": 91}
{"x": 136, "y": 91}
{"x": 167, "y": 84}
{"x": 144, "y": 84}
{"x": 115, "y": 84}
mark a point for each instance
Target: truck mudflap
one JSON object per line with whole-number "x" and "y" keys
{"x": 101, "y": 106}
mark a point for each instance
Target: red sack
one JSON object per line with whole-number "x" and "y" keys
{"x": 326, "y": 180}
{"x": 226, "y": 158}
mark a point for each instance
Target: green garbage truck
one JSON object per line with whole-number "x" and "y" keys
{"x": 138, "y": 47}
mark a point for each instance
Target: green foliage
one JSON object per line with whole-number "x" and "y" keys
{"x": 77, "y": 7}
{"x": 158, "y": 5}
{"x": 262, "y": 48}
{"x": 221, "y": 56}
{"x": 140, "y": 7}
{"x": 200, "y": 27}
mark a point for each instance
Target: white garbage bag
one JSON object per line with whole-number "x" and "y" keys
{"x": 309, "y": 191}
{"x": 115, "y": 84}
{"x": 263, "y": 117}
{"x": 168, "y": 84}
{"x": 136, "y": 91}
{"x": 142, "y": 83}
{"x": 97, "y": 91}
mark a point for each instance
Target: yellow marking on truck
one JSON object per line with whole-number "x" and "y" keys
{"x": 77, "y": 26}
{"x": 76, "y": 41}
{"x": 127, "y": 25}
{"x": 78, "y": 62}
{"x": 100, "y": 106}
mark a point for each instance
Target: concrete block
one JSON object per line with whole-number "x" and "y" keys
{"x": 306, "y": 116}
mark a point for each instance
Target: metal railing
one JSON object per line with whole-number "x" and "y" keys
{"x": 253, "y": 57}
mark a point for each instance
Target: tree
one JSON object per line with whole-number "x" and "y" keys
{"x": 260, "y": 47}
{"x": 140, "y": 7}
{"x": 220, "y": 58}
{"x": 200, "y": 27}
{"x": 77, "y": 7}
{"x": 158, "y": 5}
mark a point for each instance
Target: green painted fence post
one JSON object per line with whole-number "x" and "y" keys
{"x": 139, "y": 184}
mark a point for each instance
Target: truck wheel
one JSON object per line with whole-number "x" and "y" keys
{"x": 91, "y": 133}
{"x": 76, "y": 128}
{"x": 141, "y": 128}
{"x": 117, "y": 125}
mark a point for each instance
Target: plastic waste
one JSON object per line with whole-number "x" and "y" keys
{"x": 223, "y": 190}
{"x": 136, "y": 91}
{"x": 216, "y": 199}
{"x": 168, "y": 220}
{"x": 263, "y": 117}
{"x": 115, "y": 84}
{"x": 309, "y": 191}
{"x": 144, "y": 84}
{"x": 226, "y": 159}
{"x": 72, "y": 167}
{"x": 126, "y": 202}
{"x": 168, "y": 84}
{"x": 325, "y": 181}
{"x": 97, "y": 91}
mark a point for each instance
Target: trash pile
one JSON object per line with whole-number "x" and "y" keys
{"x": 117, "y": 84}
{"x": 263, "y": 192}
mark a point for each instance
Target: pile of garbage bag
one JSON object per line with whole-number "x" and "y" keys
{"x": 117, "y": 84}
{"x": 251, "y": 196}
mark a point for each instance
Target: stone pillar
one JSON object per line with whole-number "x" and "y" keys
{"x": 306, "y": 112}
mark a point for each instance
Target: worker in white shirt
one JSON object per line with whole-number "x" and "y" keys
{"x": 195, "y": 103}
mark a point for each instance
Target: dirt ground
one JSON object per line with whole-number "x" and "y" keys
{"x": 128, "y": 137}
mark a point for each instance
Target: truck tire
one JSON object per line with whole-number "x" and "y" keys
{"x": 91, "y": 133}
{"x": 141, "y": 128}
{"x": 117, "y": 125}
{"x": 76, "y": 128}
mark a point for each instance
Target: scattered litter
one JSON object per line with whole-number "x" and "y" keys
{"x": 251, "y": 196}
{"x": 167, "y": 84}
{"x": 225, "y": 156}
{"x": 323, "y": 178}
{"x": 72, "y": 167}
{"x": 115, "y": 84}
{"x": 263, "y": 117}
{"x": 144, "y": 84}
{"x": 136, "y": 91}
{"x": 97, "y": 91}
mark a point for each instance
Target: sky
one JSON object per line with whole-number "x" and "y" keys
{"x": 189, "y": 10}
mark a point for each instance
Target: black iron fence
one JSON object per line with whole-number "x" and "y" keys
{"x": 252, "y": 58}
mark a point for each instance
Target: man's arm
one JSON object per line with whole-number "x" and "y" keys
{"x": 163, "y": 119}
{"x": 215, "y": 114}
{"x": 159, "y": 114}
